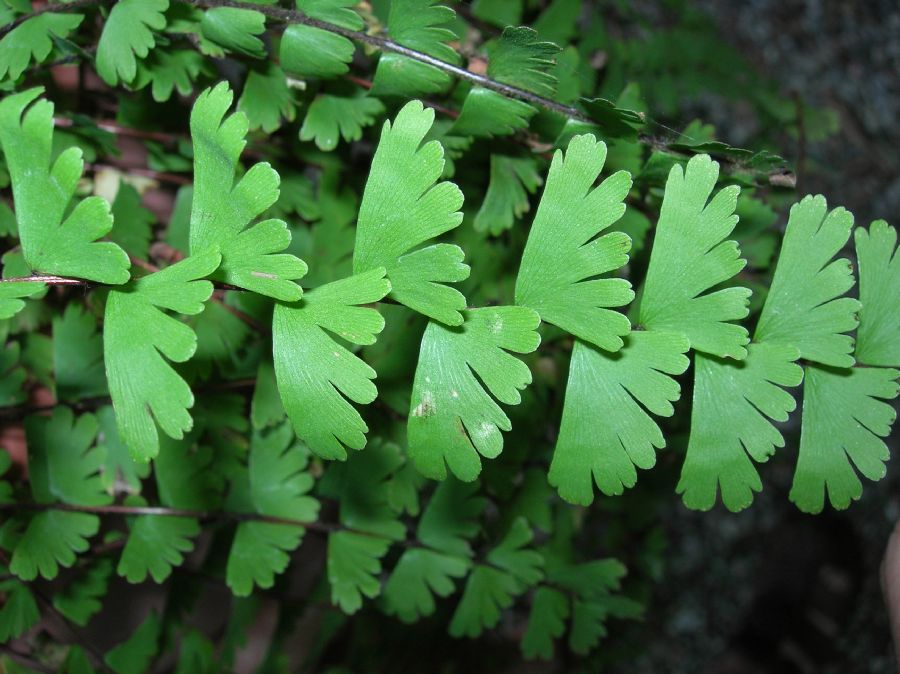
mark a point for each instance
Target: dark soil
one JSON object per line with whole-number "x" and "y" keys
{"x": 771, "y": 590}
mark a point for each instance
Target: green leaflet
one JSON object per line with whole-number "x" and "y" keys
{"x": 316, "y": 375}
{"x": 499, "y": 13}
{"x": 878, "y": 338}
{"x": 488, "y": 592}
{"x": 559, "y": 21}
{"x": 362, "y": 487}
{"x": 402, "y": 208}
{"x": 133, "y": 224}
{"x": 134, "y": 655}
{"x": 267, "y": 99}
{"x": 52, "y": 539}
{"x": 184, "y": 480}
{"x": 155, "y": 545}
{"x": 419, "y": 576}
{"x": 354, "y": 562}
{"x": 82, "y": 597}
{"x": 614, "y": 121}
{"x": 32, "y": 40}
{"x": 606, "y": 431}
{"x": 329, "y": 116}
{"x": 63, "y": 467}
{"x": 513, "y": 555}
{"x": 519, "y": 58}
{"x": 803, "y": 307}
{"x": 450, "y": 521}
{"x": 120, "y": 472}
{"x": 235, "y": 30}
{"x": 11, "y": 294}
{"x": 532, "y": 500}
{"x": 276, "y": 484}
{"x": 220, "y": 335}
{"x": 569, "y": 84}
{"x": 12, "y": 375}
{"x": 589, "y": 619}
{"x": 399, "y": 76}
{"x": 128, "y": 32}
{"x": 689, "y": 257}
{"x": 168, "y": 71}
{"x": 452, "y": 418}
{"x": 6, "y": 490}
{"x": 512, "y": 180}
{"x": 844, "y": 419}
{"x": 419, "y": 25}
{"x": 251, "y": 255}
{"x": 77, "y": 355}
{"x": 591, "y": 586}
{"x": 337, "y": 12}
{"x": 186, "y": 476}
{"x": 196, "y": 654}
{"x": 486, "y": 113}
{"x": 265, "y": 408}
{"x": 137, "y": 335}
{"x": 54, "y": 239}
{"x": 746, "y": 394}
{"x": 564, "y": 253}
{"x": 490, "y": 589}
{"x": 307, "y": 51}
{"x": 19, "y": 612}
{"x": 592, "y": 579}
{"x": 546, "y": 623}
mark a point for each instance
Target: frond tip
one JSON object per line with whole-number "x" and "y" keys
{"x": 690, "y": 256}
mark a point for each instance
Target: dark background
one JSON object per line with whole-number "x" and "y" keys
{"x": 771, "y": 589}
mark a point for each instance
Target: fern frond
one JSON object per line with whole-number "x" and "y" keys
{"x": 54, "y": 238}
{"x": 621, "y": 389}
{"x": 804, "y": 307}
{"x": 316, "y": 375}
{"x": 137, "y": 335}
{"x": 32, "y": 40}
{"x": 404, "y": 206}
{"x": 276, "y": 483}
{"x": 308, "y": 51}
{"x": 251, "y": 254}
{"x": 235, "y": 30}
{"x": 748, "y": 394}
{"x": 845, "y": 417}
{"x": 565, "y": 254}
{"x": 689, "y": 257}
{"x": 127, "y": 33}
{"x": 878, "y": 338}
{"x": 519, "y": 58}
{"x": 418, "y": 25}
{"x": 63, "y": 467}
{"x": 452, "y": 418}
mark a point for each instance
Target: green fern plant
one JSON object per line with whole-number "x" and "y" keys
{"x": 353, "y": 324}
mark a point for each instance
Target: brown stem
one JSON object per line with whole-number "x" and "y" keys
{"x": 24, "y": 659}
{"x": 172, "y": 178}
{"x": 387, "y": 45}
{"x": 778, "y": 176}
{"x": 95, "y": 402}
{"x": 48, "y": 279}
{"x": 119, "y": 130}
{"x": 203, "y": 515}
